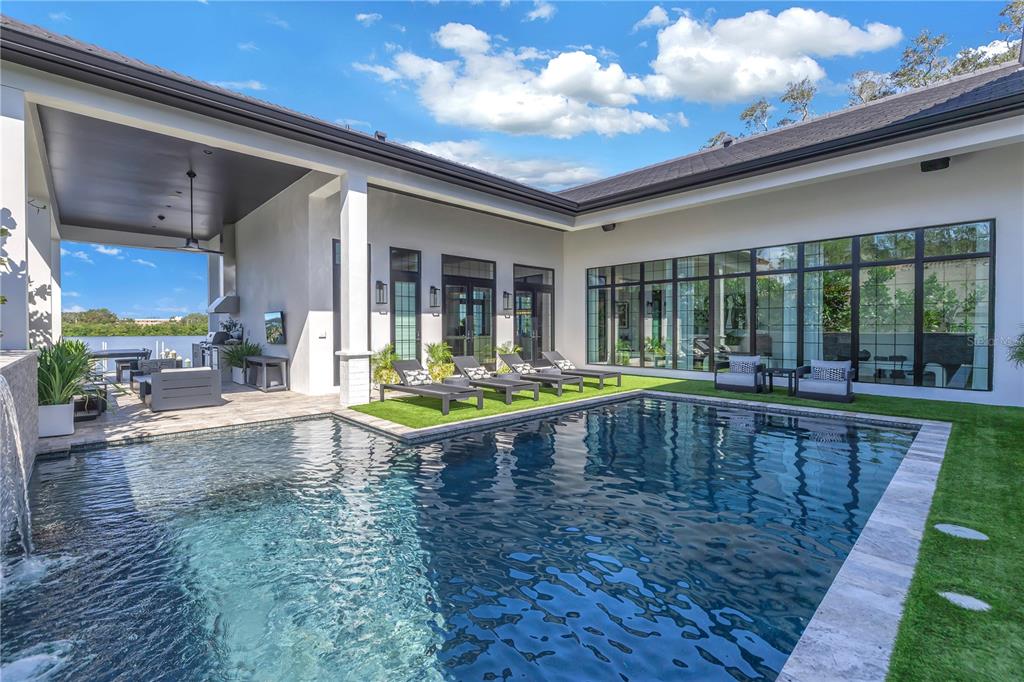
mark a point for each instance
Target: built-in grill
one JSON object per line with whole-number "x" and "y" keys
{"x": 207, "y": 352}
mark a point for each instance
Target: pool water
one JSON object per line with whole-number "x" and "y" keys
{"x": 641, "y": 540}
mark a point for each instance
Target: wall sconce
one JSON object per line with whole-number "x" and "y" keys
{"x": 506, "y": 299}
{"x": 382, "y": 293}
{"x": 435, "y": 300}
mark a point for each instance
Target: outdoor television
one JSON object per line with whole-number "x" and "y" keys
{"x": 274, "y": 322}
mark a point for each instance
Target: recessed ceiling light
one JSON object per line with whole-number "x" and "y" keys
{"x": 167, "y": 205}
{"x": 159, "y": 217}
{"x": 177, "y": 191}
{"x": 208, "y": 152}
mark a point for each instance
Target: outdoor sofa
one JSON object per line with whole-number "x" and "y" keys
{"x": 178, "y": 389}
{"x": 416, "y": 381}
{"x": 569, "y": 369}
{"x": 549, "y": 376}
{"x": 478, "y": 376}
{"x": 746, "y": 374}
{"x": 826, "y": 380}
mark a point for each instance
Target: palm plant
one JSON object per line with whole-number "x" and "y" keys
{"x": 236, "y": 354}
{"x": 1017, "y": 351}
{"x": 504, "y": 349}
{"x": 64, "y": 369}
{"x": 382, "y": 365}
{"x": 439, "y": 360}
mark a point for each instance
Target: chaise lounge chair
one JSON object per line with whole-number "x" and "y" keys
{"x": 569, "y": 369}
{"x": 549, "y": 376}
{"x": 481, "y": 377}
{"x": 416, "y": 381}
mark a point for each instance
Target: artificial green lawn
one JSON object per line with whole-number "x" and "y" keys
{"x": 981, "y": 485}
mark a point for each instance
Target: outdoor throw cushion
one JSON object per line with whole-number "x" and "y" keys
{"x": 477, "y": 372}
{"x": 549, "y": 370}
{"x": 564, "y": 365}
{"x": 418, "y": 377}
{"x": 523, "y": 368}
{"x": 743, "y": 365}
{"x": 829, "y": 371}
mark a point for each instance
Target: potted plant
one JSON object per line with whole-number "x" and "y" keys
{"x": 64, "y": 368}
{"x": 382, "y": 366}
{"x": 1017, "y": 351}
{"x": 439, "y": 360}
{"x": 233, "y": 327}
{"x": 623, "y": 352}
{"x": 235, "y": 356}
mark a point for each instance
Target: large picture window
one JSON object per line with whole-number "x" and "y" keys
{"x": 405, "y": 296}
{"x": 910, "y": 307}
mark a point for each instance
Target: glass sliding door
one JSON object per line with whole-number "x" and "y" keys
{"x": 955, "y": 351}
{"x": 405, "y": 296}
{"x": 776, "y": 319}
{"x": 628, "y": 330}
{"x": 468, "y": 311}
{"x": 886, "y": 324}
{"x": 599, "y": 325}
{"x": 693, "y": 331}
{"x": 828, "y": 315}
{"x": 534, "y": 310}
{"x": 732, "y": 315}
{"x": 658, "y": 300}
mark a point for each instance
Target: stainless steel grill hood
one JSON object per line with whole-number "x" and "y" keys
{"x": 224, "y": 304}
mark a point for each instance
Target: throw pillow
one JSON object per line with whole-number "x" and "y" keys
{"x": 477, "y": 373}
{"x": 418, "y": 377}
{"x": 828, "y": 373}
{"x": 523, "y": 368}
{"x": 564, "y": 365}
{"x": 742, "y": 366}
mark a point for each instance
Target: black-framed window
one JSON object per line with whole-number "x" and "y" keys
{"x": 910, "y": 306}
{"x": 405, "y": 303}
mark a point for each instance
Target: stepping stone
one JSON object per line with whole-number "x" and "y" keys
{"x": 960, "y": 531}
{"x": 965, "y": 602}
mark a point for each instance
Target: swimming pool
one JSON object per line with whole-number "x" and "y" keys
{"x": 647, "y": 539}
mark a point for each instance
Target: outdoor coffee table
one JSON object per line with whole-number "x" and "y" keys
{"x": 788, "y": 372}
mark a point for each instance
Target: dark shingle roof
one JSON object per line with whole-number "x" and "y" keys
{"x": 962, "y": 101}
{"x": 977, "y": 89}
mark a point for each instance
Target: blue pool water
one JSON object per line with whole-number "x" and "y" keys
{"x": 637, "y": 541}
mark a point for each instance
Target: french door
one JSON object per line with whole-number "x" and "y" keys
{"x": 534, "y": 311}
{"x": 469, "y": 318}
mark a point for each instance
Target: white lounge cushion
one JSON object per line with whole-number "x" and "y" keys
{"x": 738, "y": 379}
{"x": 564, "y": 365}
{"x": 523, "y": 368}
{"x": 822, "y": 386}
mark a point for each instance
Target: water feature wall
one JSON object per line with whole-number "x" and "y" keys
{"x": 20, "y": 408}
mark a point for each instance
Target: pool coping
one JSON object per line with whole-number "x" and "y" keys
{"x": 852, "y": 632}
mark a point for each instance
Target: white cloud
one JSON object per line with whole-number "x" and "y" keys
{"x": 107, "y": 250}
{"x": 538, "y": 172}
{"x": 240, "y": 85}
{"x": 993, "y": 49}
{"x": 248, "y": 46}
{"x": 657, "y": 16}
{"x": 140, "y": 261}
{"x": 682, "y": 120}
{"x": 275, "y": 20}
{"x": 398, "y": 27}
{"x": 755, "y": 54}
{"x": 59, "y": 16}
{"x": 494, "y": 89}
{"x": 74, "y": 309}
{"x": 70, "y": 294}
{"x": 542, "y": 10}
{"x": 368, "y": 18}
{"x": 80, "y": 255}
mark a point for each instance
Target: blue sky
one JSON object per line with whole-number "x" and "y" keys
{"x": 553, "y": 94}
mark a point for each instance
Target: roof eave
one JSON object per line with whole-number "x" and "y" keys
{"x": 897, "y": 132}
{"x": 67, "y": 61}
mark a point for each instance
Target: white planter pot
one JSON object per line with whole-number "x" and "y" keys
{"x": 56, "y": 420}
{"x": 238, "y": 375}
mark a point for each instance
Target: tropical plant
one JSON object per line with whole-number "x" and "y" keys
{"x": 235, "y": 355}
{"x": 503, "y": 349}
{"x": 1017, "y": 351}
{"x": 623, "y": 352}
{"x": 382, "y": 366}
{"x": 439, "y": 360}
{"x": 64, "y": 368}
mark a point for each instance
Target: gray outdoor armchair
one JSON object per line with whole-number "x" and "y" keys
{"x": 745, "y": 373}
{"x": 826, "y": 380}
{"x": 417, "y": 381}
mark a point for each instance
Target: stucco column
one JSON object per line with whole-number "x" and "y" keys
{"x": 41, "y": 314}
{"x": 14, "y": 271}
{"x": 354, "y": 356}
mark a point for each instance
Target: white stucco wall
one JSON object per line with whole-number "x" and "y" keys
{"x": 436, "y": 229}
{"x": 980, "y": 185}
{"x": 281, "y": 256}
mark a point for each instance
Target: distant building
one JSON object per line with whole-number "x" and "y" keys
{"x": 150, "y": 321}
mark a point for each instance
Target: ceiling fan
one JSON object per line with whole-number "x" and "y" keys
{"x": 191, "y": 243}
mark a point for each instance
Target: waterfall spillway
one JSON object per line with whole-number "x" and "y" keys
{"x": 14, "y": 509}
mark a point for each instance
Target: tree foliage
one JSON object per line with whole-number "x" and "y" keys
{"x": 798, "y": 96}
{"x": 715, "y": 140}
{"x": 103, "y": 322}
{"x": 755, "y": 116}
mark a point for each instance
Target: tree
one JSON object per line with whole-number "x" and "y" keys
{"x": 715, "y": 140}
{"x": 755, "y": 116}
{"x": 92, "y": 316}
{"x": 1013, "y": 19}
{"x": 798, "y": 96}
{"x": 867, "y": 86}
{"x": 922, "y": 62}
